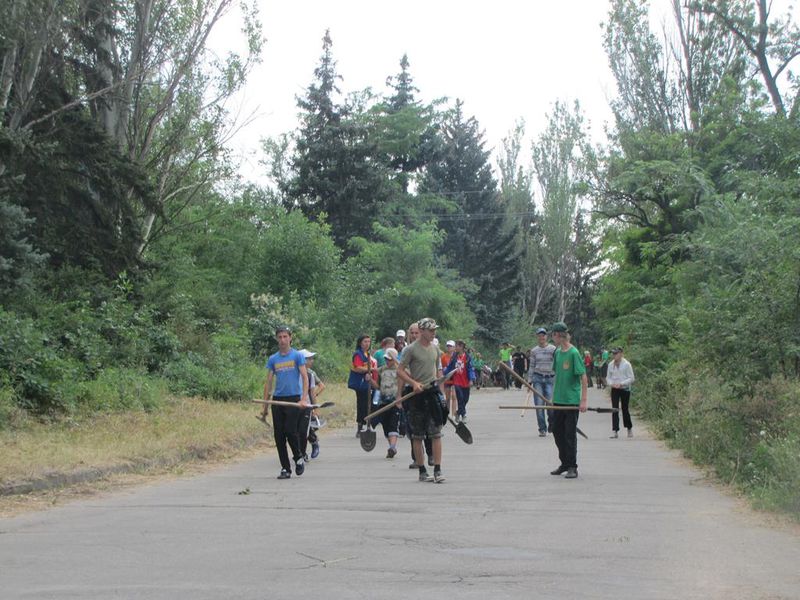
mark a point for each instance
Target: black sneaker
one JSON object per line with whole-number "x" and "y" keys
{"x": 315, "y": 450}
{"x": 413, "y": 466}
{"x": 285, "y": 474}
{"x": 425, "y": 476}
{"x": 559, "y": 471}
{"x": 391, "y": 453}
{"x": 572, "y": 473}
{"x": 300, "y": 467}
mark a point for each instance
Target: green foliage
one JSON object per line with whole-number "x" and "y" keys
{"x": 224, "y": 372}
{"x": 395, "y": 302}
{"x": 116, "y": 390}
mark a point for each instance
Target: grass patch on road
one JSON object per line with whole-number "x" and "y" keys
{"x": 182, "y": 431}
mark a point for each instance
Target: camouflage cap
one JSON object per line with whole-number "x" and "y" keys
{"x": 427, "y": 323}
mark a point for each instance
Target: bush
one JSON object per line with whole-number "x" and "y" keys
{"x": 226, "y": 372}
{"x": 34, "y": 367}
{"x": 116, "y": 390}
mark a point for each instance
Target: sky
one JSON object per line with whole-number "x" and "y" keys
{"x": 505, "y": 59}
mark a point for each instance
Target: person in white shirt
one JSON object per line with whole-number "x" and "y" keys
{"x": 620, "y": 377}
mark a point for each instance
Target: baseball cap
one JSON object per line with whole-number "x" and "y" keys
{"x": 391, "y": 354}
{"x": 616, "y": 350}
{"x": 450, "y": 343}
{"x": 541, "y": 330}
{"x": 427, "y": 323}
{"x": 307, "y": 353}
{"x": 559, "y": 327}
{"x": 400, "y": 332}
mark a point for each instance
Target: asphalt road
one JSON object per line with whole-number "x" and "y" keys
{"x": 638, "y": 523}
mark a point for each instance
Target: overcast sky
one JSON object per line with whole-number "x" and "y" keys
{"x": 505, "y": 59}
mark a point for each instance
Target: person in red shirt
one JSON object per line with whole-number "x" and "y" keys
{"x": 461, "y": 363}
{"x": 588, "y": 363}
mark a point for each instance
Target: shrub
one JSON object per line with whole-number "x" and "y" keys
{"x": 116, "y": 390}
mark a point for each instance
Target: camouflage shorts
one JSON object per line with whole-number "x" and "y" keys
{"x": 423, "y": 418}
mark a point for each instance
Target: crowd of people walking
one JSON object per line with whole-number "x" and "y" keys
{"x": 417, "y": 386}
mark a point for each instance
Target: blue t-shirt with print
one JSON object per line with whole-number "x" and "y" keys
{"x": 287, "y": 373}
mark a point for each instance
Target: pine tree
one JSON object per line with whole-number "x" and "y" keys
{"x": 335, "y": 173}
{"x": 478, "y": 245}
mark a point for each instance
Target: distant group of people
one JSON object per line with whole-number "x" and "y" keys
{"x": 420, "y": 385}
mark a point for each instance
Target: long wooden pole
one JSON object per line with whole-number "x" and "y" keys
{"x": 535, "y": 391}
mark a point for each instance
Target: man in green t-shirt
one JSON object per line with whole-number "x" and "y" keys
{"x": 569, "y": 389}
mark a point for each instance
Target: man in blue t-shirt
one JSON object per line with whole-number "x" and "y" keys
{"x": 288, "y": 368}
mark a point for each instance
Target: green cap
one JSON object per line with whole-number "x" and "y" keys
{"x": 559, "y": 327}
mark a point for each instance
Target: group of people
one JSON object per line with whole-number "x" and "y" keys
{"x": 559, "y": 376}
{"x": 412, "y": 365}
{"x": 420, "y": 385}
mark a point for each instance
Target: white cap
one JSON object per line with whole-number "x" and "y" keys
{"x": 307, "y": 353}
{"x": 451, "y": 343}
{"x": 400, "y": 332}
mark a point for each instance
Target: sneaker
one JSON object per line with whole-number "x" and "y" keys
{"x": 572, "y": 473}
{"x": 305, "y": 458}
{"x": 285, "y": 474}
{"x": 464, "y": 418}
{"x": 299, "y": 467}
{"x": 614, "y": 435}
{"x": 559, "y": 471}
{"x": 542, "y": 434}
{"x": 358, "y": 432}
{"x": 413, "y": 466}
{"x": 391, "y": 453}
{"x": 438, "y": 477}
{"x": 425, "y": 476}
{"x": 315, "y": 450}
{"x": 630, "y": 433}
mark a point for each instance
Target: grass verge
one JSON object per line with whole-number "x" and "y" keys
{"x": 42, "y": 457}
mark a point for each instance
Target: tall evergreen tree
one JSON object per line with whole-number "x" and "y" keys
{"x": 334, "y": 171}
{"x": 478, "y": 245}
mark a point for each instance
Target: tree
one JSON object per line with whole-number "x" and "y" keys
{"x": 561, "y": 157}
{"x": 334, "y": 174}
{"x": 773, "y": 46}
{"x": 478, "y": 245}
{"x": 143, "y": 71}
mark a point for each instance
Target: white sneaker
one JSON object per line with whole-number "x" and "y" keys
{"x": 614, "y": 435}
{"x": 630, "y": 433}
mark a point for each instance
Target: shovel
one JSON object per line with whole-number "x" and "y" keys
{"x": 461, "y": 431}
{"x": 535, "y": 391}
{"x": 598, "y": 409}
{"x": 293, "y": 404}
{"x": 368, "y": 438}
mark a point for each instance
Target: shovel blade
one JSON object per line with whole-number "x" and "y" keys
{"x": 462, "y": 431}
{"x": 368, "y": 439}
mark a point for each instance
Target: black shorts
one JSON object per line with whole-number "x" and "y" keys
{"x": 425, "y": 415}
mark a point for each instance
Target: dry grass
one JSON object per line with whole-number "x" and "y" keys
{"x": 185, "y": 431}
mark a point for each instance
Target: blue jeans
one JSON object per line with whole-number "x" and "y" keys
{"x": 544, "y": 385}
